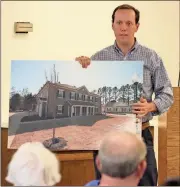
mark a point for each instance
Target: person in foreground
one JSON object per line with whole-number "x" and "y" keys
{"x": 33, "y": 165}
{"x": 125, "y": 23}
{"x": 121, "y": 163}
{"x": 175, "y": 181}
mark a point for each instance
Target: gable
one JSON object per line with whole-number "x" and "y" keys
{"x": 83, "y": 90}
{"x": 43, "y": 92}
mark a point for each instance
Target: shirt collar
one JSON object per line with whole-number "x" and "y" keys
{"x": 132, "y": 49}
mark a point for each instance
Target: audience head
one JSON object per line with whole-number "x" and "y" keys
{"x": 33, "y": 165}
{"x": 122, "y": 157}
{"x": 172, "y": 182}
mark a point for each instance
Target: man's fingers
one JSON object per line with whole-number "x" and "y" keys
{"x": 143, "y": 100}
{"x": 83, "y": 65}
{"x": 138, "y": 108}
{"x": 138, "y": 112}
{"x": 137, "y": 105}
{"x": 84, "y": 61}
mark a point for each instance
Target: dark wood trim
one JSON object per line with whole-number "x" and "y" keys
{"x": 162, "y": 151}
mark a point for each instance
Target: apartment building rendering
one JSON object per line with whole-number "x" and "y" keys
{"x": 55, "y": 100}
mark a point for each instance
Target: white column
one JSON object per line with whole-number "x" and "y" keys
{"x": 72, "y": 110}
{"x": 80, "y": 110}
{"x": 87, "y": 108}
{"x": 40, "y": 109}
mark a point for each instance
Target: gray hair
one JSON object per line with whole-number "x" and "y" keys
{"x": 33, "y": 165}
{"x": 120, "y": 153}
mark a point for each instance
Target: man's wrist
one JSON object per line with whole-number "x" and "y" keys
{"x": 152, "y": 107}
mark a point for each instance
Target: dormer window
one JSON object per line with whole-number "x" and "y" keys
{"x": 73, "y": 95}
{"x": 87, "y": 98}
{"x": 91, "y": 98}
{"x": 80, "y": 96}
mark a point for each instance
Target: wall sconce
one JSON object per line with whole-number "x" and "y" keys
{"x": 23, "y": 27}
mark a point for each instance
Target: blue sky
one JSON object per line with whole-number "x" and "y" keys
{"x": 31, "y": 74}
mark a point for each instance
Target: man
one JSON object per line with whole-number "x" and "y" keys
{"x": 125, "y": 23}
{"x": 121, "y": 163}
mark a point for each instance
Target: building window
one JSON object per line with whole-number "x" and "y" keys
{"x": 96, "y": 99}
{"x": 91, "y": 98}
{"x": 80, "y": 96}
{"x": 61, "y": 93}
{"x": 87, "y": 98}
{"x": 124, "y": 110}
{"x": 60, "y": 109}
{"x": 83, "y": 97}
{"x": 73, "y": 95}
{"x": 76, "y": 96}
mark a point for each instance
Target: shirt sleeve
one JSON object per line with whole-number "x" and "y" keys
{"x": 95, "y": 56}
{"x": 162, "y": 88}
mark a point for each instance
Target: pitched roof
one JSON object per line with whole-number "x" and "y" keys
{"x": 83, "y": 103}
{"x": 67, "y": 87}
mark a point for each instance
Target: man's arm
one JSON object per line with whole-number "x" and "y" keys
{"x": 162, "y": 88}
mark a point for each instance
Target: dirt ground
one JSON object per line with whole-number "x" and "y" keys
{"x": 77, "y": 137}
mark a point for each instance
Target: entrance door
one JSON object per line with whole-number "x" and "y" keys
{"x": 78, "y": 111}
{"x": 43, "y": 109}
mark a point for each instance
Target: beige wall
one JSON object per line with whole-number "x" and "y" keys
{"x": 64, "y": 30}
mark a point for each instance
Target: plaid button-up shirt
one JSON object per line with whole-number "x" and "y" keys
{"x": 155, "y": 77}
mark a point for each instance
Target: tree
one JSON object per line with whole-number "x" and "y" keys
{"x": 12, "y": 92}
{"x": 104, "y": 93}
{"x": 54, "y": 70}
{"x": 122, "y": 94}
{"x": 15, "y": 101}
{"x": 24, "y": 92}
{"x": 109, "y": 91}
{"x": 54, "y": 75}
{"x": 115, "y": 92}
{"x": 139, "y": 90}
{"x": 29, "y": 100}
{"x": 127, "y": 93}
{"x": 46, "y": 76}
{"x": 94, "y": 91}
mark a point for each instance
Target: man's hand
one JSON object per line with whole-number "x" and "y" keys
{"x": 142, "y": 108}
{"x": 84, "y": 61}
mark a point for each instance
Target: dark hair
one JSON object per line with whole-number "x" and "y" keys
{"x": 129, "y": 7}
{"x": 172, "y": 182}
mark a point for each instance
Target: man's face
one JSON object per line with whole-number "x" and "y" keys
{"x": 124, "y": 26}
